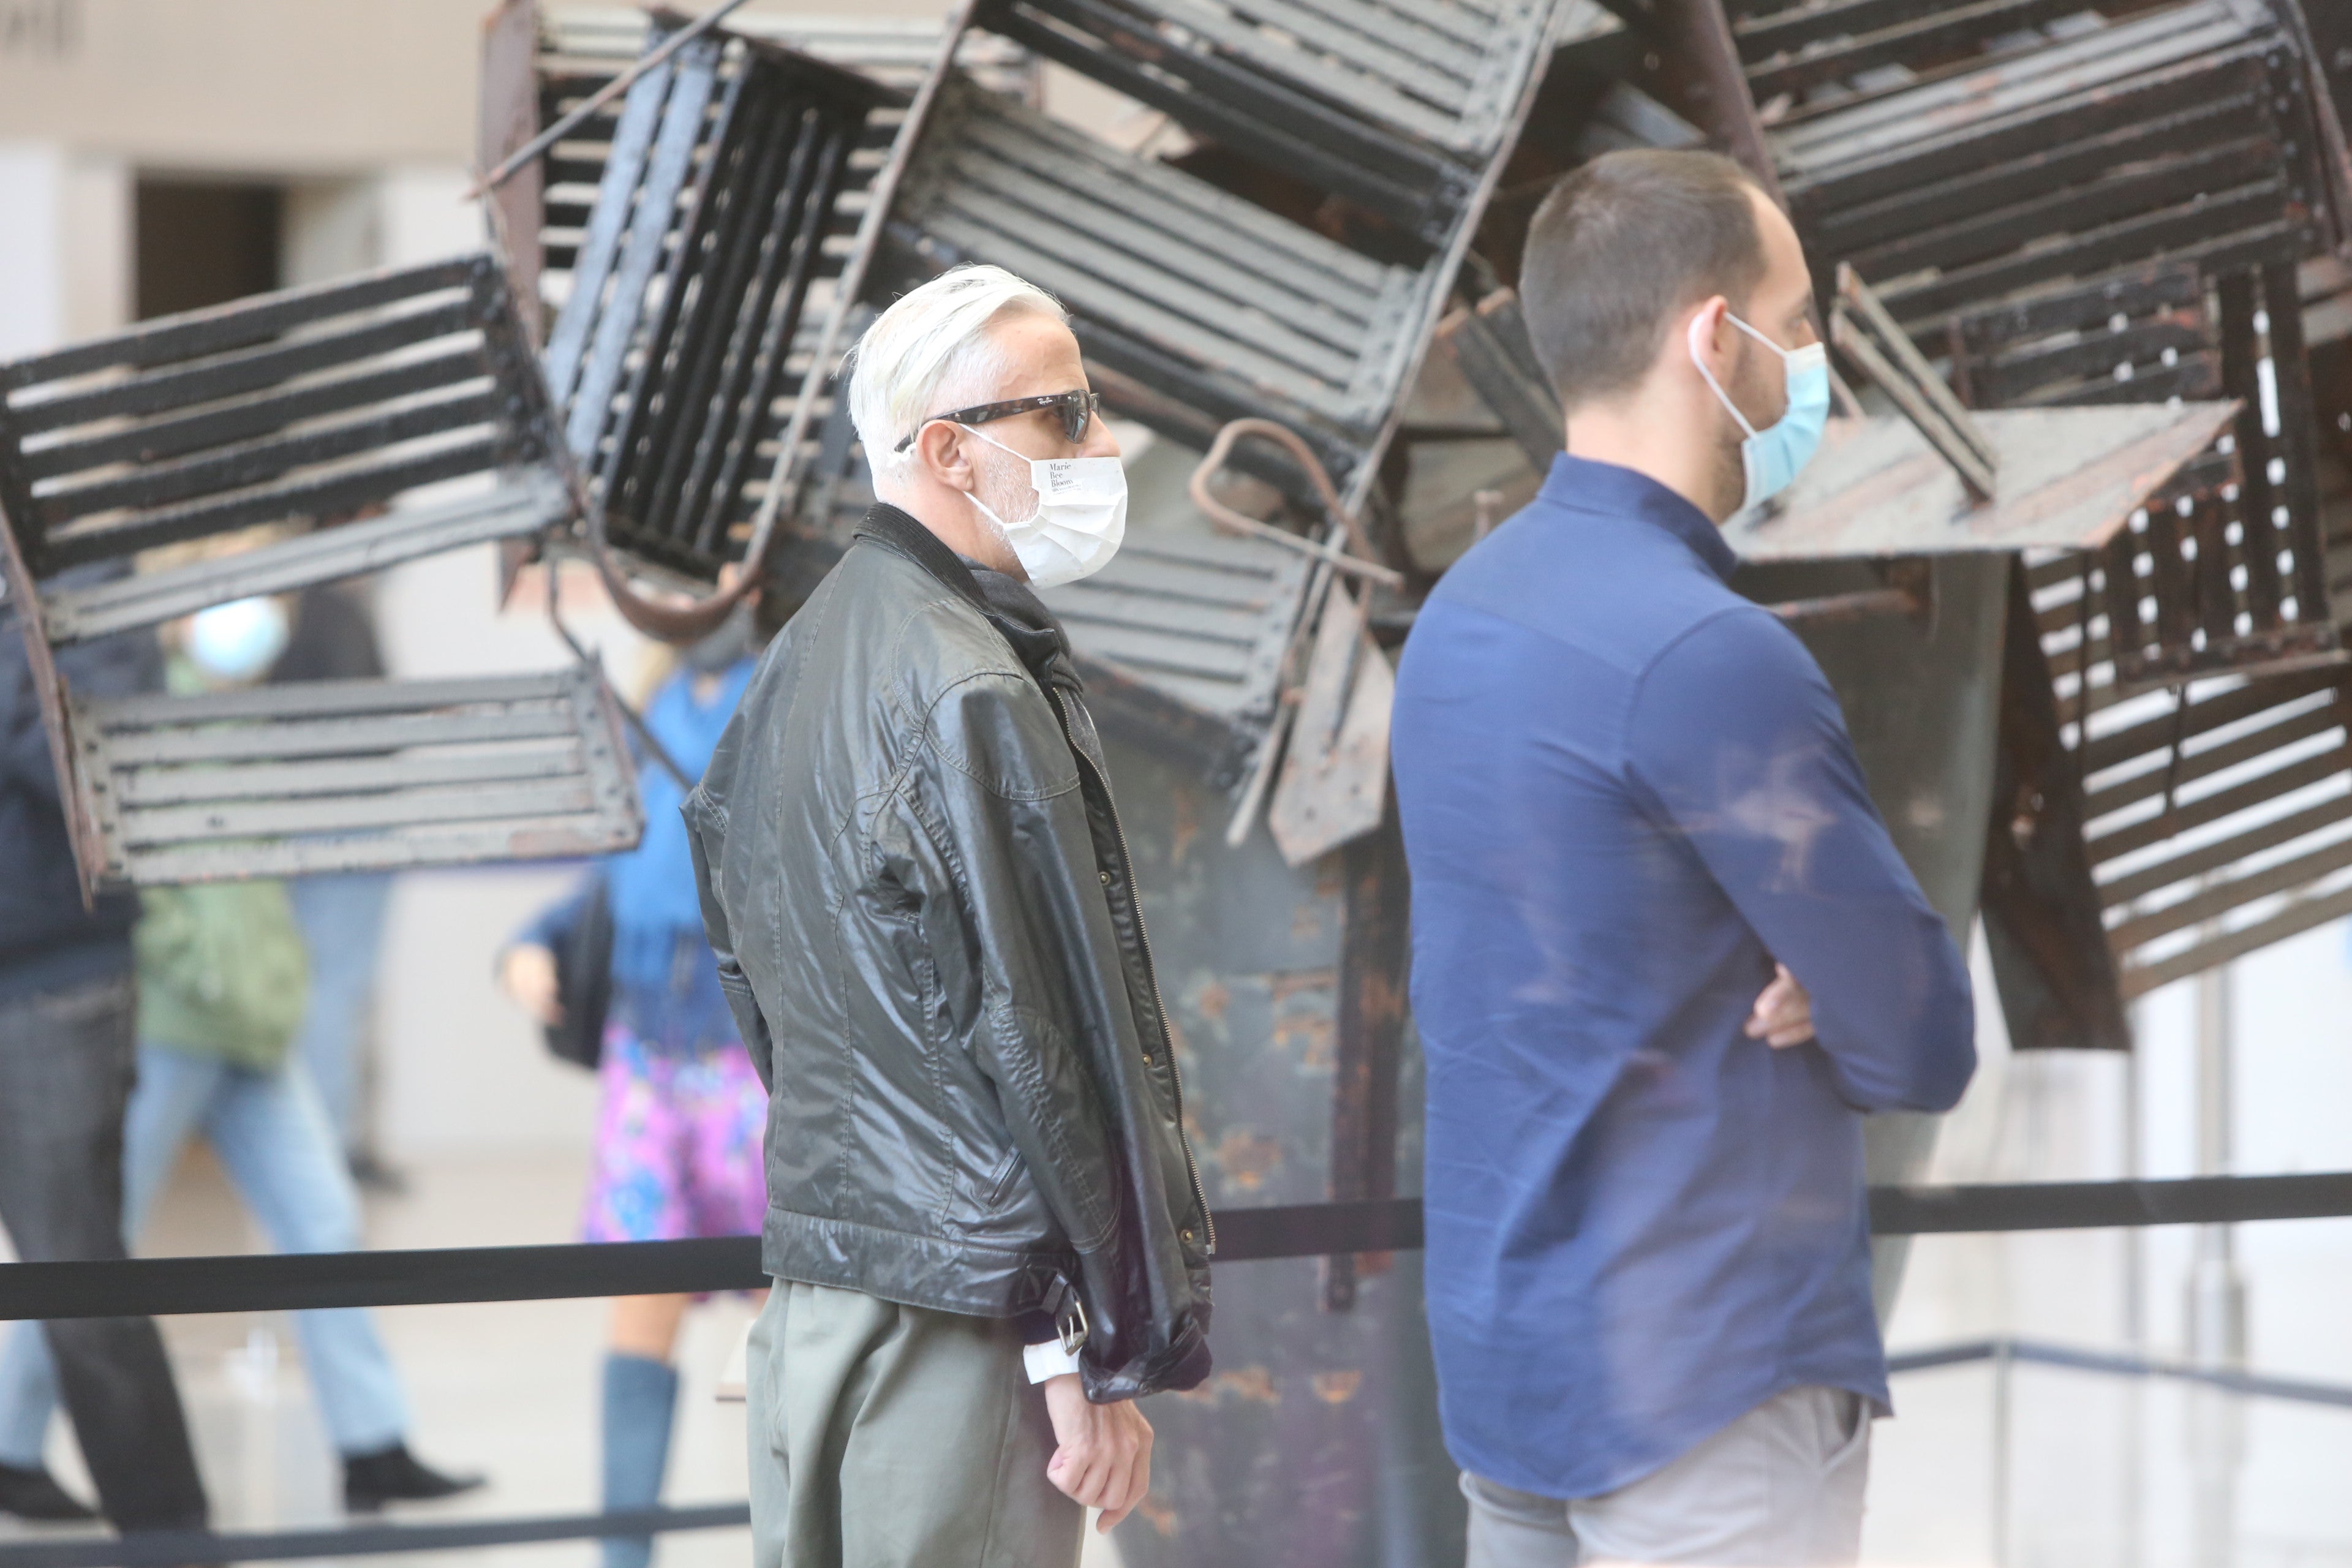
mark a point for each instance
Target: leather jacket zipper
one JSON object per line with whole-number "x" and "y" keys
{"x": 1150, "y": 975}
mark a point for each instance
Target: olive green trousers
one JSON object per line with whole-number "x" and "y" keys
{"x": 892, "y": 1436}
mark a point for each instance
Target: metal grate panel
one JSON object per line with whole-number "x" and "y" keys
{"x": 674, "y": 354}
{"x": 352, "y": 775}
{"x": 1201, "y": 624}
{"x": 1221, "y": 308}
{"x": 1395, "y": 104}
{"x": 2189, "y": 131}
{"x": 304, "y": 409}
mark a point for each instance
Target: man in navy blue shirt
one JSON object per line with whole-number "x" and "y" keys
{"x": 1665, "y": 957}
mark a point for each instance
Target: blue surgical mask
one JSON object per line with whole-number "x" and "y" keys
{"x": 237, "y": 642}
{"x": 1775, "y": 455}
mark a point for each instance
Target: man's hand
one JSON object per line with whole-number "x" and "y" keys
{"x": 1783, "y": 1015}
{"x": 528, "y": 974}
{"x": 1103, "y": 1453}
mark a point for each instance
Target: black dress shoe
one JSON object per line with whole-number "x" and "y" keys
{"x": 34, "y": 1494}
{"x": 395, "y": 1475}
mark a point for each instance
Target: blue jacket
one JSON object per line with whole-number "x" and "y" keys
{"x": 48, "y": 940}
{"x": 1626, "y": 791}
{"x": 664, "y": 981}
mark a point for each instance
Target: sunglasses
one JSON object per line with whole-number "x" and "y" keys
{"x": 1077, "y": 410}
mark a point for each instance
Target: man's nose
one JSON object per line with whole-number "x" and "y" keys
{"x": 1099, "y": 441}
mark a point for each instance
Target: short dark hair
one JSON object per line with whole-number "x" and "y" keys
{"x": 1622, "y": 246}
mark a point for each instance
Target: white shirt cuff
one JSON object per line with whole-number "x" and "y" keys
{"x": 1049, "y": 1360}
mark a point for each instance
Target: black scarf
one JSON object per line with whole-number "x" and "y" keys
{"x": 1011, "y": 606}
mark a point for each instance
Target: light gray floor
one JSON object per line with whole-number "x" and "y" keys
{"x": 2098, "y": 1472}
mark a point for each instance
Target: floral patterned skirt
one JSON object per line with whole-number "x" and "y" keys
{"x": 678, "y": 1145}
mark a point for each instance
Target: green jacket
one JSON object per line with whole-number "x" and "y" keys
{"x": 222, "y": 971}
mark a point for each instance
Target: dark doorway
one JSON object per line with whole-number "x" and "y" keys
{"x": 206, "y": 243}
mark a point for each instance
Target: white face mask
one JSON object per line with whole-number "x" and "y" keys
{"x": 1080, "y": 520}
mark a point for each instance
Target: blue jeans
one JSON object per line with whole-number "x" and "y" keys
{"x": 341, "y": 919}
{"x": 271, "y": 1132}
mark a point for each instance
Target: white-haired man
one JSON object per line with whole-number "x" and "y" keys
{"x": 919, "y": 896}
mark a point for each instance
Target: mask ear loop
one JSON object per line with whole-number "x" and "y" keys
{"x": 1720, "y": 395}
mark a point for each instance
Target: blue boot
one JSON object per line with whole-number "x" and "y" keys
{"x": 640, "y": 1399}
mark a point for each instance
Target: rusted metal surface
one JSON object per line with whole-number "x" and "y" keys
{"x": 507, "y": 121}
{"x": 2068, "y": 479}
{"x": 1335, "y": 772}
{"x": 2042, "y": 912}
{"x": 1202, "y": 488}
{"x": 1375, "y": 959}
{"x": 353, "y": 775}
{"x": 1317, "y": 1441}
{"x": 1490, "y": 345}
{"x": 1869, "y": 337}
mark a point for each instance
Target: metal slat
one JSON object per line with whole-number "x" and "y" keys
{"x": 2058, "y": 157}
{"x": 251, "y": 370}
{"x": 1204, "y": 284}
{"x": 329, "y": 700}
{"x": 289, "y": 738}
{"x": 1889, "y": 125}
{"x": 624, "y": 166}
{"x": 1374, "y": 99}
{"x": 346, "y": 489}
{"x": 2239, "y": 891}
{"x": 2194, "y": 765}
{"x": 541, "y": 839}
{"x": 164, "y": 827}
{"x": 1388, "y": 46}
{"x": 1142, "y": 648}
{"x": 203, "y": 782}
{"x": 153, "y": 440}
{"x": 2220, "y": 804}
{"x": 1219, "y": 211}
{"x": 2125, "y": 889}
{"x": 349, "y": 550}
{"x": 240, "y": 323}
{"x": 1968, "y": 238}
{"x": 2206, "y": 714}
{"x": 654, "y": 214}
{"x": 255, "y": 463}
{"x": 2172, "y": 229}
{"x": 2299, "y": 916}
{"x": 1082, "y": 287}
{"x": 1928, "y": 36}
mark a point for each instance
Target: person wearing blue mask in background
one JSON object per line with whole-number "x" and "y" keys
{"x": 677, "y": 1147}
{"x": 223, "y": 981}
{"x": 1665, "y": 956}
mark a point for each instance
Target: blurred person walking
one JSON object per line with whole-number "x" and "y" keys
{"x": 1665, "y": 956}
{"x": 341, "y": 914}
{"x": 680, "y": 1110}
{"x": 222, "y": 988}
{"x": 67, "y": 1057}
{"x": 914, "y": 880}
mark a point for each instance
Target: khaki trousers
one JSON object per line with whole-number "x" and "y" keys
{"x": 1780, "y": 1487}
{"x": 892, "y": 1436}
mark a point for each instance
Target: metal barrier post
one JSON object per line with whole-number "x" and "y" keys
{"x": 2003, "y": 1422}
{"x": 2217, "y": 1291}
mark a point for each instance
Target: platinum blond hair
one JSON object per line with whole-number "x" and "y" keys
{"x": 932, "y": 352}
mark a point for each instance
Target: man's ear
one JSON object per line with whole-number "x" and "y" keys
{"x": 1710, "y": 332}
{"x": 941, "y": 452}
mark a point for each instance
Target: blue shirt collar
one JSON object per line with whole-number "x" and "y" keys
{"x": 1579, "y": 484}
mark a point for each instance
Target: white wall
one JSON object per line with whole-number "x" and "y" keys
{"x": 65, "y": 247}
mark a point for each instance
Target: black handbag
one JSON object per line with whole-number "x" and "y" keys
{"x": 584, "y": 981}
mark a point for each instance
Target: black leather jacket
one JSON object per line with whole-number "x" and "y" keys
{"x": 916, "y": 887}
